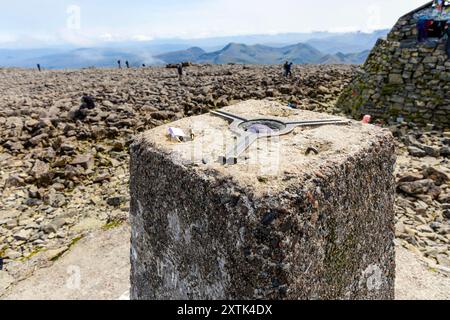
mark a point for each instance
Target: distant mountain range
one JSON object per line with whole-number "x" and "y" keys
{"x": 316, "y": 47}
{"x": 258, "y": 54}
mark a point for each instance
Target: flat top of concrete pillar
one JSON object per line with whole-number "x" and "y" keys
{"x": 269, "y": 163}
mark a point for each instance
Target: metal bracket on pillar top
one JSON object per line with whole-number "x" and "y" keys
{"x": 242, "y": 144}
{"x": 249, "y": 131}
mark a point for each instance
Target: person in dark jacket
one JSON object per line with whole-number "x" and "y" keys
{"x": 119, "y": 63}
{"x": 39, "y": 67}
{"x": 447, "y": 30}
{"x": 180, "y": 70}
{"x": 127, "y": 64}
{"x": 422, "y": 31}
{"x": 287, "y": 67}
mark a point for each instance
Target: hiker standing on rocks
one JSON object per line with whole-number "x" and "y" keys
{"x": 447, "y": 30}
{"x": 127, "y": 64}
{"x": 119, "y": 63}
{"x": 287, "y": 69}
{"x": 39, "y": 67}
{"x": 180, "y": 70}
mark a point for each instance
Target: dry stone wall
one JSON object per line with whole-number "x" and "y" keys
{"x": 403, "y": 78}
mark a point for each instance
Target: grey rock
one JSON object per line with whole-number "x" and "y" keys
{"x": 446, "y": 214}
{"x": 54, "y": 226}
{"x": 438, "y": 176}
{"x": 116, "y": 201}
{"x": 85, "y": 160}
{"x": 432, "y": 151}
{"x": 23, "y": 235}
{"x": 12, "y": 254}
{"x": 416, "y": 152}
{"x": 41, "y": 172}
{"x": 417, "y": 187}
{"x": 102, "y": 178}
{"x": 445, "y": 151}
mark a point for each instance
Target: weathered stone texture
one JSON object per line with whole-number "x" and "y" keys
{"x": 403, "y": 77}
{"x": 323, "y": 228}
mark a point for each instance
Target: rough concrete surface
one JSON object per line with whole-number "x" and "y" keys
{"x": 97, "y": 268}
{"x": 320, "y": 227}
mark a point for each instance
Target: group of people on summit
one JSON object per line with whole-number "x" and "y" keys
{"x": 434, "y": 29}
{"x": 435, "y": 25}
{"x": 287, "y": 68}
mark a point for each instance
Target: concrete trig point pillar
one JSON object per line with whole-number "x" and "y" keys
{"x": 277, "y": 225}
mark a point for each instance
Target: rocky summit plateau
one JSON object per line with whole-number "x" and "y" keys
{"x": 65, "y": 137}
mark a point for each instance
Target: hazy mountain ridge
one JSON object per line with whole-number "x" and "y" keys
{"x": 345, "y": 58}
{"x": 300, "y": 53}
{"x": 83, "y": 58}
{"x": 347, "y": 42}
{"x": 191, "y": 54}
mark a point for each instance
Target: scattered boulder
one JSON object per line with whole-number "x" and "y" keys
{"x": 86, "y": 161}
{"x": 12, "y": 254}
{"x": 23, "y": 234}
{"x": 102, "y": 178}
{"x": 162, "y": 115}
{"x": 116, "y": 201}
{"x": 419, "y": 187}
{"x": 41, "y": 173}
{"x": 15, "y": 180}
{"x": 432, "y": 151}
{"x": 416, "y": 152}
{"x": 411, "y": 177}
{"x": 87, "y": 102}
{"x": 446, "y": 214}
{"x": 222, "y": 101}
{"x": 438, "y": 176}
{"x": 14, "y": 126}
{"x": 54, "y": 226}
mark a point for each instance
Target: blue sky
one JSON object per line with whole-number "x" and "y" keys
{"x": 88, "y": 22}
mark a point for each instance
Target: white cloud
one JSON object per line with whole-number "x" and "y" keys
{"x": 6, "y": 38}
{"x": 75, "y": 37}
{"x": 344, "y": 29}
{"x": 107, "y": 37}
{"x": 141, "y": 37}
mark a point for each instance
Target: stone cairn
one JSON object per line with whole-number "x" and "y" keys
{"x": 403, "y": 78}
